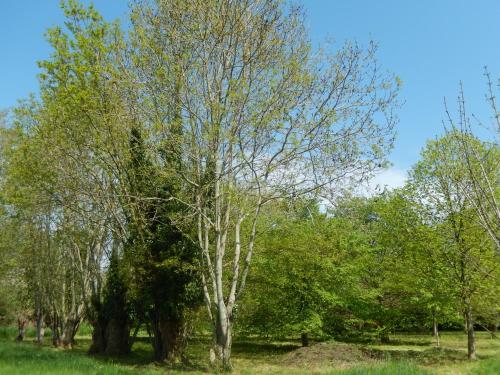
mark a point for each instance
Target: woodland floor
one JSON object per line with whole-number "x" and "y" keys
{"x": 407, "y": 354}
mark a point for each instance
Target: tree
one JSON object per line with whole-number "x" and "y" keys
{"x": 260, "y": 118}
{"x": 413, "y": 275}
{"x": 481, "y": 162}
{"x": 165, "y": 280}
{"x": 301, "y": 276}
{"x": 438, "y": 180}
{"x": 63, "y": 169}
{"x": 112, "y": 319}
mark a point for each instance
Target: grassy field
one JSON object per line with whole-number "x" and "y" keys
{"x": 406, "y": 355}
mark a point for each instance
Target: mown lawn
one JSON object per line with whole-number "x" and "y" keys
{"x": 406, "y": 355}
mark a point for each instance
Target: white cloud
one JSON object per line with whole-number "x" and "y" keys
{"x": 390, "y": 178}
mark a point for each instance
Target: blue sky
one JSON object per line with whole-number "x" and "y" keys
{"x": 430, "y": 44}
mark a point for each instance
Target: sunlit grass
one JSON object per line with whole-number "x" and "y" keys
{"x": 406, "y": 355}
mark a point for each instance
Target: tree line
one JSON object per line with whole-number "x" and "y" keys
{"x": 195, "y": 169}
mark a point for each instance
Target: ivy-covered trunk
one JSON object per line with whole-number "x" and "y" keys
{"x": 117, "y": 337}
{"x": 110, "y": 337}
{"x": 169, "y": 337}
{"x": 111, "y": 322}
{"x": 98, "y": 345}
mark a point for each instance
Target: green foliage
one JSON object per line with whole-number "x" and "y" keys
{"x": 115, "y": 297}
{"x": 149, "y": 165}
{"x": 162, "y": 259}
{"x": 465, "y": 251}
{"x": 306, "y": 276}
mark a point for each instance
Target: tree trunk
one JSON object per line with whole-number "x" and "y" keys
{"x": 40, "y": 328}
{"x": 55, "y": 329}
{"x": 471, "y": 339}
{"x": 110, "y": 337}
{"x": 221, "y": 352}
{"x": 159, "y": 341}
{"x": 304, "y": 337}
{"x": 98, "y": 345}
{"x": 168, "y": 338}
{"x": 21, "y": 328}
{"x": 69, "y": 332}
{"x": 117, "y": 337}
{"x": 384, "y": 336}
{"x": 435, "y": 331}
{"x": 38, "y": 318}
{"x": 494, "y": 327}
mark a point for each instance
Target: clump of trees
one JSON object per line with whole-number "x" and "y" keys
{"x": 163, "y": 169}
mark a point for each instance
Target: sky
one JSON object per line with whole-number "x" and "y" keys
{"x": 431, "y": 45}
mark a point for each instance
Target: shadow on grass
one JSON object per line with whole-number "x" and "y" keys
{"x": 370, "y": 338}
{"x": 431, "y": 356}
{"x": 397, "y": 342}
{"x": 142, "y": 356}
{"x": 254, "y": 349}
{"x": 45, "y": 355}
{"x": 251, "y": 349}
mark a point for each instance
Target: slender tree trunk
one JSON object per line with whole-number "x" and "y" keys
{"x": 38, "y": 317}
{"x": 159, "y": 341}
{"x": 304, "y": 337}
{"x": 471, "y": 339}
{"x": 435, "y": 331}
{"x": 494, "y": 327}
{"x": 56, "y": 330}
{"x": 384, "y": 336}
{"x": 40, "y": 328}
{"x": 21, "y": 328}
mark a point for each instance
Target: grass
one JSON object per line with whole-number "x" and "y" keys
{"x": 405, "y": 355}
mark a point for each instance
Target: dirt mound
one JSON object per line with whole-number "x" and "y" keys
{"x": 326, "y": 352}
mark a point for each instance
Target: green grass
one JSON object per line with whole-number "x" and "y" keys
{"x": 28, "y": 358}
{"x": 394, "y": 368}
{"x": 11, "y": 332}
{"x": 405, "y": 355}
